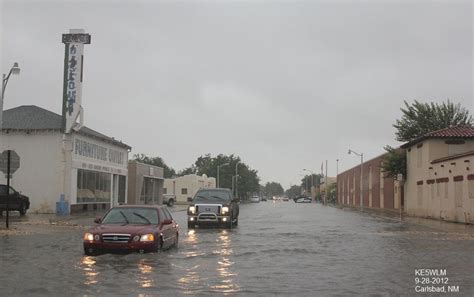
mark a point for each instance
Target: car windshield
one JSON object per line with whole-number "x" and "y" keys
{"x": 212, "y": 196}
{"x": 132, "y": 215}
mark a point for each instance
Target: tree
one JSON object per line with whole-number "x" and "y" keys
{"x": 394, "y": 163}
{"x": 293, "y": 191}
{"x": 186, "y": 171}
{"x": 307, "y": 179}
{"x": 332, "y": 193}
{"x": 419, "y": 119}
{"x": 274, "y": 189}
{"x": 168, "y": 172}
{"x": 247, "y": 181}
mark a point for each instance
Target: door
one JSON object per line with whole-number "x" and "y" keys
{"x": 14, "y": 199}
{"x": 166, "y": 230}
{"x": 3, "y": 196}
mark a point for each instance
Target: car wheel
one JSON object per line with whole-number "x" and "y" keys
{"x": 170, "y": 202}
{"x": 22, "y": 209}
{"x": 236, "y": 222}
{"x": 191, "y": 225}
{"x": 158, "y": 246}
{"x": 89, "y": 252}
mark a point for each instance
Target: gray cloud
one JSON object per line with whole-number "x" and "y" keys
{"x": 284, "y": 85}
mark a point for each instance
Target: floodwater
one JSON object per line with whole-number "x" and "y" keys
{"x": 280, "y": 248}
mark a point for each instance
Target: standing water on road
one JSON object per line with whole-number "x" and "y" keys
{"x": 279, "y": 248}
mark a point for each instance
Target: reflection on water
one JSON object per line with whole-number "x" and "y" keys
{"x": 88, "y": 266}
{"x": 206, "y": 263}
{"x": 191, "y": 274}
{"x": 224, "y": 266}
{"x": 145, "y": 279}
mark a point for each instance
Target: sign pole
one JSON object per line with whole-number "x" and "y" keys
{"x": 8, "y": 186}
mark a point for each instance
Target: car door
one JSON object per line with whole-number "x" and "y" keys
{"x": 3, "y": 197}
{"x": 165, "y": 229}
{"x": 14, "y": 199}
{"x": 172, "y": 228}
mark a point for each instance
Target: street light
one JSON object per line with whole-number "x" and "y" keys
{"x": 361, "y": 155}
{"x": 312, "y": 183}
{"x": 15, "y": 70}
{"x": 219, "y": 167}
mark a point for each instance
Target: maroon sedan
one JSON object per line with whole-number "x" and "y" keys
{"x": 140, "y": 228}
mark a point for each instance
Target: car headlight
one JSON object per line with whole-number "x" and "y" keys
{"x": 192, "y": 209}
{"x": 147, "y": 237}
{"x": 136, "y": 238}
{"x": 97, "y": 237}
{"x": 88, "y": 237}
{"x": 225, "y": 209}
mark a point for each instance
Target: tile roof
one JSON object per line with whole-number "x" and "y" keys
{"x": 455, "y": 132}
{"x": 32, "y": 117}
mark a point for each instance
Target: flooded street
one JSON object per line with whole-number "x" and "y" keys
{"x": 279, "y": 248}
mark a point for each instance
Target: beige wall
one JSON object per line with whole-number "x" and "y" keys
{"x": 136, "y": 176}
{"x": 191, "y": 183}
{"x": 431, "y": 190}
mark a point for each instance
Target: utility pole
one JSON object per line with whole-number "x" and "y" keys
{"x": 326, "y": 185}
{"x": 236, "y": 179}
{"x": 337, "y": 180}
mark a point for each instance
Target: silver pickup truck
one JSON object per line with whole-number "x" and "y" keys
{"x": 169, "y": 199}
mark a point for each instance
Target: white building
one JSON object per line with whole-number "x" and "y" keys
{"x": 187, "y": 186}
{"x": 85, "y": 167}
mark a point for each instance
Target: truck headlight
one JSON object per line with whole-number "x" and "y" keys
{"x": 224, "y": 210}
{"x": 192, "y": 209}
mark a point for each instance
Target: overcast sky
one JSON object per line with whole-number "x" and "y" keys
{"x": 284, "y": 85}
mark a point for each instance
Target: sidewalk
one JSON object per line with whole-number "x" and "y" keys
{"x": 394, "y": 215}
{"x": 17, "y": 222}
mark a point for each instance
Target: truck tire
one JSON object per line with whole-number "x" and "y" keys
{"x": 170, "y": 203}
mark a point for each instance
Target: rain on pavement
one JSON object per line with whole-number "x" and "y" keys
{"x": 279, "y": 248}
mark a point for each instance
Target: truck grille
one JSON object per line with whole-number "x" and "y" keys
{"x": 208, "y": 208}
{"x": 116, "y": 238}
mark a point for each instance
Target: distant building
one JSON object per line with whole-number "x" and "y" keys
{"x": 86, "y": 167}
{"x": 145, "y": 183}
{"x": 378, "y": 191}
{"x": 440, "y": 175}
{"x": 187, "y": 186}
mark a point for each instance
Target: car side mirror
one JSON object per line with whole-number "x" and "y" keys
{"x": 167, "y": 222}
{"x": 98, "y": 220}
{"x": 190, "y": 199}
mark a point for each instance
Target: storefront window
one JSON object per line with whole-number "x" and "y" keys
{"x": 149, "y": 192}
{"x": 122, "y": 186}
{"x": 93, "y": 186}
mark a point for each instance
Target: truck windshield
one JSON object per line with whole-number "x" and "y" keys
{"x": 212, "y": 196}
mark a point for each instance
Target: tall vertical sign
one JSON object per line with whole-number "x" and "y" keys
{"x": 72, "y": 85}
